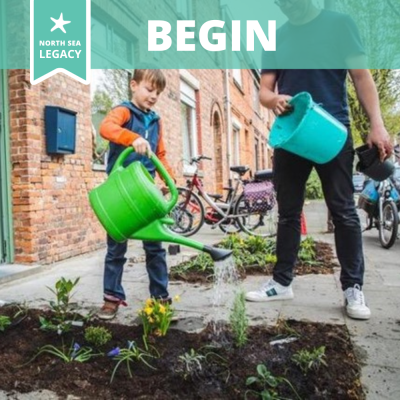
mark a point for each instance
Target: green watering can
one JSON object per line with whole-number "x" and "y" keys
{"x": 130, "y": 206}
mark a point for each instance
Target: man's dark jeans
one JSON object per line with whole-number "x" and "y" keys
{"x": 290, "y": 176}
{"x": 156, "y": 266}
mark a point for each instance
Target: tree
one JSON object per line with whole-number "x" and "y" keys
{"x": 387, "y": 82}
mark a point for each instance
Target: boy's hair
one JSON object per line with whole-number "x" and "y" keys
{"x": 154, "y": 76}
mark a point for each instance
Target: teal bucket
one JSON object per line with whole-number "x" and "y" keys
{"x": 308, "y": 131}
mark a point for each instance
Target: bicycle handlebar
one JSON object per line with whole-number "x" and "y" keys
{"x": 199, "y": 158}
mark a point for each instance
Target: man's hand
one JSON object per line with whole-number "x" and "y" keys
{"x": 280, "y": 104}
{"x": 141, "y": 146}
{"x": 379, "y": 137}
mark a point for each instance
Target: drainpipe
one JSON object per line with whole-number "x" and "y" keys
{"x": 228, "y": 121}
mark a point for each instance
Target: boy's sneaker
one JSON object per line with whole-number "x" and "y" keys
{"x": 109, "y": 309}
{"x": 271, "y": 291}
{"x": 355, "y": 303}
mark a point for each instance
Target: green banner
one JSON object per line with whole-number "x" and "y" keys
{"x": 60, "y": 39}
{"x": 204, "y": 34}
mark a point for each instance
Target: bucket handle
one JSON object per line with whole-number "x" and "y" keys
{"x": 161, "y": 170}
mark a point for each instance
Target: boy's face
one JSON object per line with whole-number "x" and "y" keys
{"x": 144, "y": 94}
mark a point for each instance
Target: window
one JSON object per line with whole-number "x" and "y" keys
{"x": 111, "y": 48}
{"x": 257, "y": 153}
{"x": 184, "y": 8}
{"x": 189, "y": 124}
{"x": 236, "y": 127}
{"x": 256, "y": 99}
{"x": 237, "y": 76}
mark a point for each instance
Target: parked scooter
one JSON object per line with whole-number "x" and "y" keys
{"x": 381, "y": 202}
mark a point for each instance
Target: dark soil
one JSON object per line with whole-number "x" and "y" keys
{"x": 324, "y": 263}
{"x": 223, "y": 373}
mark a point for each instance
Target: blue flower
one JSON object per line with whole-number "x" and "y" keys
{"x": 114, "y": 352}
{"x": 75, "y": 351}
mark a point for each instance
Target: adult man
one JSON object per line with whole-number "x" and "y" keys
{"x": 311, "y": 31}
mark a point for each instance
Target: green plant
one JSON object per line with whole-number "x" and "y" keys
{"x": 307, "y": 251}
{"x": 314, "y": 187}
{"x": 238, "y": 319}
{"x": 60, "y": 308}
{"x": 67, "y": 354}
{"x": 129, "y": 355}
{"x": 310, "y": 360}
{"x": 97, "y": 335}
{"x": 267, "y": 384}
{"x": 5, "y": 322}
{"x": 156, "y": 316}
{"x": 192, "y": 362}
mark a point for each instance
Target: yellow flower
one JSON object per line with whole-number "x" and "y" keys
{"x": 148, "y": 310}
{"x": 177, "y": 298}
{"x": 162, "y": 309}
{"x": 151, "y": 320}
{"x": 149, "y": 302}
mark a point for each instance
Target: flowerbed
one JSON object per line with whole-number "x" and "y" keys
{"x": 186, "y": 365}
{"x": 254, "y": 255}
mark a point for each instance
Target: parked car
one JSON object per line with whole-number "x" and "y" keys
{"x": 359, "y": 182}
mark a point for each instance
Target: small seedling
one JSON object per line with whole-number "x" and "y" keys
{"x": 60, "y": 308}
{"x": 129, "y": 355}
{"x": 267, "y": 384}
{"x": 310, "y": 360}
{"x": 238, "y": 319}
{"x": 193, "y": 362}
{"x": 5, "y": 322}
{"x": 97, "y": 335}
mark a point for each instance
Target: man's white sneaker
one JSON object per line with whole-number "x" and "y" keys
{"x": 271, "y": 291}
{"x": 355, "y": 303}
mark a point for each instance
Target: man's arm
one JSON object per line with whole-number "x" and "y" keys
{"x": 368, "y": 96}
{"x": 268, "y": 96}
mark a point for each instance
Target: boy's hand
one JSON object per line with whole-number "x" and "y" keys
{"x": 141, "y": 146}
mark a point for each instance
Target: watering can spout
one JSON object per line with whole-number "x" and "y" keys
{"x": 158, "y": 230}
{"x": 217, "y": 254}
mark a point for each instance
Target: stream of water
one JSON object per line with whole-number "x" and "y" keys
{"x": 226, "y": 281}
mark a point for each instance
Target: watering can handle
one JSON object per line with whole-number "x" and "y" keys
{"x": 161, "y": 170}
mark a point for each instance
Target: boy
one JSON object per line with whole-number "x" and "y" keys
{"x": 135, "y": 124}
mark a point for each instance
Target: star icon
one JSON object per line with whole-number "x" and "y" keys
{"x": 59, "y": 23}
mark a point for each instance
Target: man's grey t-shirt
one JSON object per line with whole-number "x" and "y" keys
{"x": 324, "y": 42}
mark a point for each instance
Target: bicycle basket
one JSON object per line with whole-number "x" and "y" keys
{"x": 259, "y": 196}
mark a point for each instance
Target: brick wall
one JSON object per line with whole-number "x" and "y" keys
{"x": 51, "y": 213}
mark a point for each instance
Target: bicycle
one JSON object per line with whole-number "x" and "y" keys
{"x": 381, "y": 203}
{"x": 237, "y": 212}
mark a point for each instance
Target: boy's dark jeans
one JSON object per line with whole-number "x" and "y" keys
{"x": 156, "y": 266}
{"x": 290, "y": 176}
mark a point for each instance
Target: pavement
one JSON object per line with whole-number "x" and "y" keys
{"x": 318, "y": 298}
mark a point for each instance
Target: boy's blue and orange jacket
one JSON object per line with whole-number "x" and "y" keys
{"x": 126, "y": 123}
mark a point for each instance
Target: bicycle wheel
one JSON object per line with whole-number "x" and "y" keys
{"x": 389, "y": 225}
{"x": 188, "y": 213}
{"x": 254, "y": 223}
